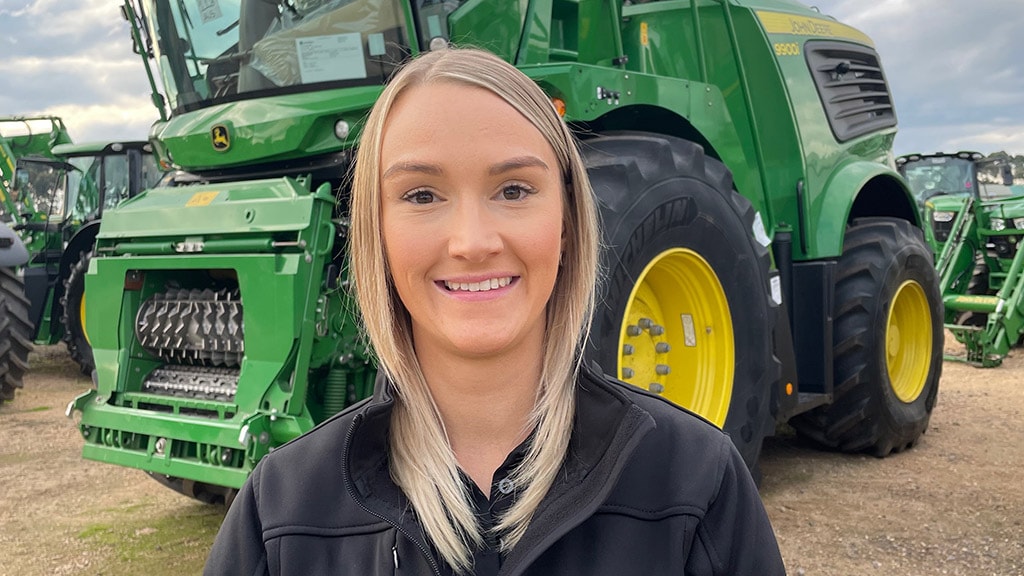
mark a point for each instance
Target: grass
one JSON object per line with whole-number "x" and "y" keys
{"x": 171, "y": 543}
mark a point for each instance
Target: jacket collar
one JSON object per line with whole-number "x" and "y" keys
{"x": 606, "y": 430}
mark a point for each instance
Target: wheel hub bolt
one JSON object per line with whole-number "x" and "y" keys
{"x": 627, "y": 349}
{"x": 634, "y": 330}
{"x": 662, "y": 369}
{"x": 657, "y": 330}
{"x": 655, "y": 387}
{"x": 627, "y": 373}
{"x": 662, "y": 347}
{"x": 645, "y": 323}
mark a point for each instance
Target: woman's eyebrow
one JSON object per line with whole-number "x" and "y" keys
{"x": 415, "y": 167}
{"x": 516, "y": 163}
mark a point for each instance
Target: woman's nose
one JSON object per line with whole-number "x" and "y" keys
{"x": 474, "y": 233}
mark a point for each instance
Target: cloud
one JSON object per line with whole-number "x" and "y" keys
{"x": 127, "y": 119}
{"x": 74, "y": 60}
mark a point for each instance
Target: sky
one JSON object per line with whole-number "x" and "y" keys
{"x": 956, "y": 69}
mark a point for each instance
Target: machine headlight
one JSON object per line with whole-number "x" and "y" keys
{"x": 943, "y": 216}
{"x": 1018, "y": 223}
{"x": 341, "y": 130}
{"x": 997, "y": 224}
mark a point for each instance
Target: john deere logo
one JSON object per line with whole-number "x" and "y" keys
{"x": 220, "y": 137}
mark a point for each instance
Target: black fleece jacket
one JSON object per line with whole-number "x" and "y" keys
{"x": 647, "y": 488}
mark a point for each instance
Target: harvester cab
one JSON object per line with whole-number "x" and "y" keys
{"x": 219, "y": 314}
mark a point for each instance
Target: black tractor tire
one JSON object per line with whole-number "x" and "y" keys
{"x": 871, "y": 411}
{"x": 658, "y": 194}
{"x": 15, "y": 334}
{"x": 73, "y": 316}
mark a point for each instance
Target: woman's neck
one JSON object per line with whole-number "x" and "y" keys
{"x": 485, "y": 404}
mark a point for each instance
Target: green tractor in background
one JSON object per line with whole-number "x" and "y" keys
{"x": 981, "y": 269}
{"x": 20, "y": 137}
{"x": 942, "y": 184}
{"x": 60, "y": 198}
{"x": 71, "y": 192}
{"x": 765, "y": 261}
{"x": 52, "y": 194}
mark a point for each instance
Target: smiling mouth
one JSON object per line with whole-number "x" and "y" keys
{"x": 482, "y": 286}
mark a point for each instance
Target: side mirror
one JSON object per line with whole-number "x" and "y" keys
{"x": 1006, "y": 171}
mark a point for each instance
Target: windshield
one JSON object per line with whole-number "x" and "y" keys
{"x": 83, "y": 193}
{"x": 213, "y": 51}
{"x": 151, "y": 172}
{"x": 930, "y": 176}
{"x": 40, "y": 185}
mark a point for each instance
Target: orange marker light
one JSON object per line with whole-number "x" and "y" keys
{"x": 789, "y": 388}
{"x": 559, "y": 106}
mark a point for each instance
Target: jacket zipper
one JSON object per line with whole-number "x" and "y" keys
{"x": 351, "y": 492}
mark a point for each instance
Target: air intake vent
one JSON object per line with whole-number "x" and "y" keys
{"x": 852, "y": 88}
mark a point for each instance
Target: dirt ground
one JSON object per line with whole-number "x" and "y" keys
{"x": 952, "y": 505}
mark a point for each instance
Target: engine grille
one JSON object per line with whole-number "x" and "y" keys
{"x": 852, "y": 88}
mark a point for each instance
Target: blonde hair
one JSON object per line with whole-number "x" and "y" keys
{"x": 422, "y": 461}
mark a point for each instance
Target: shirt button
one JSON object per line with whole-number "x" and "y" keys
{"x": 505, "y": 486}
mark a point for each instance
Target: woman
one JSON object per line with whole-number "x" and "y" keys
{"x": 488, "y": 445}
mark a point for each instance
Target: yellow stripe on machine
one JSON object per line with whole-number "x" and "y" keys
{"x": 7, "y": 159}
{"x": 781, "y": 23}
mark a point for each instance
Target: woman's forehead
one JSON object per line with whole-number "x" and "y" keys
{"x": 425, "y": 115}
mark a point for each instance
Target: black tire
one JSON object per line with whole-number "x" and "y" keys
{"x": 880, "y": 257}
{"x": 658, "y": 193}
{"x": 15, "y": 334}
{"x": 74, "y": 328}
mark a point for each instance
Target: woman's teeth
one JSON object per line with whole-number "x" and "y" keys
{"x": 484, "y": 286}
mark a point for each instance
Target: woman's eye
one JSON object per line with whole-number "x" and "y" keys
{"x": 420, "y": 197}
{"x": 515, "y": 192}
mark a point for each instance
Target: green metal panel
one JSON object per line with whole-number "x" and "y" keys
{"x": 299, "y": 326}
{"x": 263, "y": 130}
{"x": 235, "y": 208}
{"x": 828, "y": 213}
{"x": 496, "y": 26}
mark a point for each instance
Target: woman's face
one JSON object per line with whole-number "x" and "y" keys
{"x": 471, "y": 208}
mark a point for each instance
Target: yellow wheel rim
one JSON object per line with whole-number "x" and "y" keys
{"x": 908, "y": 341}
{"x": 677, "y": 337}
{"x": 81, "y": 318}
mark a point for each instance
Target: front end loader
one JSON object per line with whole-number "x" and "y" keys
{"x": 981, "y": 270}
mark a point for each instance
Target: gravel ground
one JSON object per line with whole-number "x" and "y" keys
{"x": 951, "y": 505}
